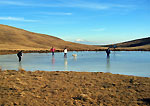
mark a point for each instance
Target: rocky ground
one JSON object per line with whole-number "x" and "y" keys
{"x": 63, "y": 88}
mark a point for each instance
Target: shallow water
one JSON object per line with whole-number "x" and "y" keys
{"x": 120, "y": 62}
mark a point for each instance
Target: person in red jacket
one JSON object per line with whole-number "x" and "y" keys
{"x": 52, "y": 50}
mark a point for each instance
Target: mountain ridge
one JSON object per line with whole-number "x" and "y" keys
{"x": 137, "y": 43}
{"x": 12, "y": 38}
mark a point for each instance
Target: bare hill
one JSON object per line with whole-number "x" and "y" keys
{"x": 138, "y": 43}
{"x": 135, "y": 43}
{"x": 12, "y": 38}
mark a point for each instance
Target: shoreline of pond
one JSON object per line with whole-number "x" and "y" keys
{"x": 3, "y": 52}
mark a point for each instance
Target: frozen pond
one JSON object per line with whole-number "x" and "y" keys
{"x": 120, "y": 62}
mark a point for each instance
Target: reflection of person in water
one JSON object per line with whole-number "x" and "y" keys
{"x": 108, "y": 64}
{"x": 53, "y": 60}
{"x": 19, "y": 54}
{"x": 65, "y": 64}
{"x": 20, "y": 66}
{"x": 108, "y": 52}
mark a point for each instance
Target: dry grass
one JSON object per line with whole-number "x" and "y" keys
{"x": 143, "y": 43}
{"x": 12, "y": 38}
{"x": 41, "y": 88}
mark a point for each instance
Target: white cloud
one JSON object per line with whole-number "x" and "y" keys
{"x": 88, "y": 5}
{"x": 16, "y": 19}
{"x": 14, "y": 3}
{"x": 56, "y": 13}
{"x": 79, "y": 40}
{"x": 69, "y": 4}
{"x": 86, "y": 42}
{"x": 98, "y": 29}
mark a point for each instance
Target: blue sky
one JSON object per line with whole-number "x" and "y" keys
{"x": 89, "y": 21}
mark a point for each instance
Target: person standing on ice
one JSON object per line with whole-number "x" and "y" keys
{"x": 52, "y": 50}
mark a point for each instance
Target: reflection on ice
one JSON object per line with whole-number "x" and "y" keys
{"x": 66, "y": 64}
{"x": 53, "y": 60}
{"x": 108, "y": 64}
{"x": 19, "y": 66}
{"x": 128, "y": 63}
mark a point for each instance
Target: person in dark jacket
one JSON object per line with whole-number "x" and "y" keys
{"x": 19, "y": 54}
{"x": 108, "y": 52}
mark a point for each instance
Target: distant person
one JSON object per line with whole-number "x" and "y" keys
{"x": 114, "y": 46}
{"x": 19, "y": 54}
{"x": 65, "y": 52}
{"x": 52, "y": 50}
{"x": 108, "y": 52}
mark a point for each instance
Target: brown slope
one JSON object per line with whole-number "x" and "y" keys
{"x": 141, "y": 43}
{"x": 12, "y": 38}
{"x": 135, "y": 43}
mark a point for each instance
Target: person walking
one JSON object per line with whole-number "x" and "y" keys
{"x": 65, "y": 52}
{"x": 108, "y": 52}
{"x": 52, "y": 50}
{"x": 19, "y": 54}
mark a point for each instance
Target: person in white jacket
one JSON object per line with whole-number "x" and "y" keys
{"x": 65, "y": 52}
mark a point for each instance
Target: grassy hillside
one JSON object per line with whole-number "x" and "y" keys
{"x": 12, "y": 38}
{"x": 135, "y": 43}
{"x": 138, "y": 43}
